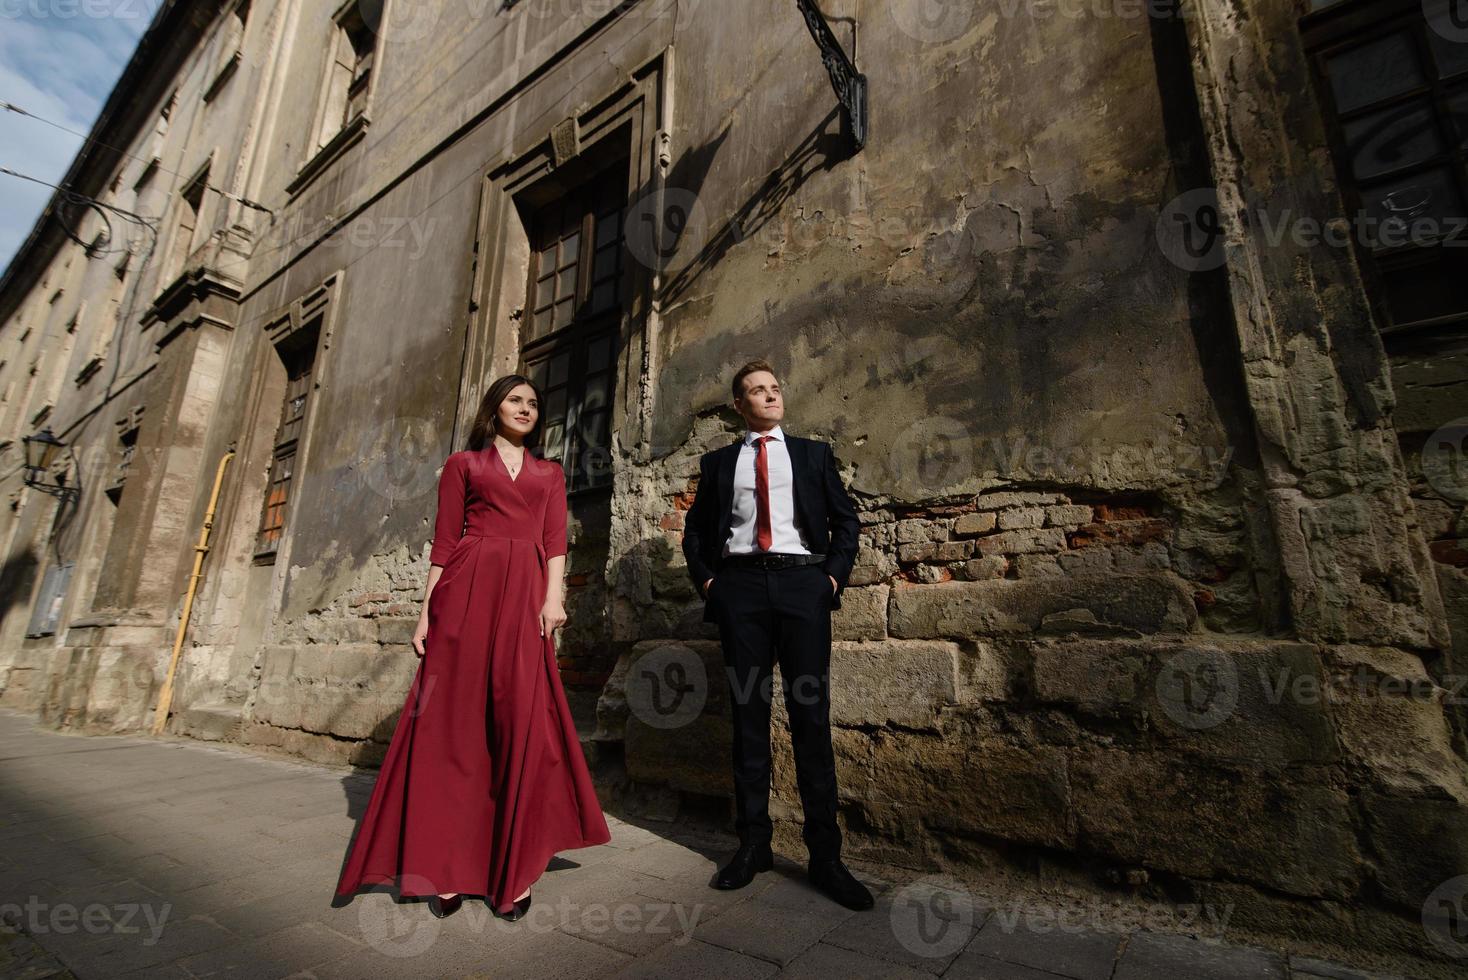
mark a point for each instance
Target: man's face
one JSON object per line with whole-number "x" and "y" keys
{"x": 762, "y": 406}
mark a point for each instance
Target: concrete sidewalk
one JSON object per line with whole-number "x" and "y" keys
{"x": 136, "y": 856}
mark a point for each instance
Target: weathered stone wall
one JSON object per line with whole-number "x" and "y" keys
{"x": 1078, "y": 708}
{"x": 1322, "y": 398}
{"x": 1141, "y": 602}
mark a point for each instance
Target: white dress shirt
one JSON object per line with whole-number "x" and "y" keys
{"x": 785, "y": 535}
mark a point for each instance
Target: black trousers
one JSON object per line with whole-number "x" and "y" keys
{"x": 784, "y": 615}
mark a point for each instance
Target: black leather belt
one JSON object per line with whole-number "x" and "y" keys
{"x": 773, "y": 559}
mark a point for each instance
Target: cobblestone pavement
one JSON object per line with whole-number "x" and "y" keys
{"x": 138, "y": 856}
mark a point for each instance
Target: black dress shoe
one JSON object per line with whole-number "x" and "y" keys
{"x": 833, "y": 880}
{"x": 517, "y": 911}
{"x": 741, "y": 869}
{"x": 444, "y": 907}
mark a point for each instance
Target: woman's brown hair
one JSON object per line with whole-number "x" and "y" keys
{"x": 486, "y": 422}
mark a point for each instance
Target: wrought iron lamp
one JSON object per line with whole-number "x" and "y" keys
{"x": 850, "y": 84}
{"x": 41, "y": 452}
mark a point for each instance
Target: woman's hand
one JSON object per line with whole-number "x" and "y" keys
{"x": 552, "y": 614}
{"x": 420, "y": 633}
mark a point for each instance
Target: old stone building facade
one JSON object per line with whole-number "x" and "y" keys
{"x": 1155, "y": 431}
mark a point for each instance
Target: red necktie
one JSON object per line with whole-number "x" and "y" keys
{"x": 762, "y": 493}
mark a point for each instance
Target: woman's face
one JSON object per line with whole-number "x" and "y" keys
{"x": 519, "y": 411}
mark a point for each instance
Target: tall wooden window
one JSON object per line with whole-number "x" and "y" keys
{"x": 190, "y": 204}
{"x": 153, "y": 151}
{"x": 349, "y": 75}
{"x": 231, "y": 45}
{"x": 300, "y": 360}
{"x": 574, "y": 307}
{"x": 1393, "y": 77}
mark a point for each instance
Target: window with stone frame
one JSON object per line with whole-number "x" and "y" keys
{"x": 1392, "y": 77}
{"x": 299, "y": 358}
{"x": 153, "y": 150}
{"x": 127, "y": 444}
{"x": 187, "y": 210}
{"x": 573, "y": 313}
{"x": 230, "y": 48}
{"x": 352, "y": 51}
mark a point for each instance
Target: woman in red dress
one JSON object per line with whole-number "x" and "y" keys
{"x": 484, "y": 780}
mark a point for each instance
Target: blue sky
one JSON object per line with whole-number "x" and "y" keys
{"x": 58, "y": 59}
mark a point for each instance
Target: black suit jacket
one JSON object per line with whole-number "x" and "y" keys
{"x": 822, "y": 509}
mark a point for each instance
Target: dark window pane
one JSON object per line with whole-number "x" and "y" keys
{"x": 604, "y": 296}
{"x": 1411, "y": 210}
{"x": 605, "y": 265}
{"x": 1447, "y": 38}
{"x": 1429, "y": 283}
{"x": 1391, "y": 139}
{"x": 599, "y": 353}
{"x": 542, "y": 324}
{"x": 1374, "y": 71}
{"x": 583, "y": 420}
{"x": 555, "y": 440}
{"x": 566, "y": 284}
{"x": 565, "y": 310}
{"x": 555, "y": 403}
{"x": 547, "y": 260}
{"x": 595, "y": 392}
{"x": 595, "y": 437}
{"x": 544, "y": 292}
{"x": 608, "y": 228}
{"x": 596, "y": 464}
{"x": 1458, "y": 110}
{"x": 570, "y": 247}
{"x": 560, "y": 369}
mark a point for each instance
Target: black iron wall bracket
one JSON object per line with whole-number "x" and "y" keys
{"x": 850, "y": 84}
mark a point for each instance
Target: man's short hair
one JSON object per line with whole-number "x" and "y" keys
{"x": 750, "y": 368}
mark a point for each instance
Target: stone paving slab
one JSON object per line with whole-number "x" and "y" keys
{"x": 164, "y": 857}
{"x": 774, "y": 934}
{"x": 22, "y": 958}
{"x": 1152, "y": 956}
{"x": 1083, "y": 954}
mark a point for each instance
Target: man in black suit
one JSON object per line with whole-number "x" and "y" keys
{"x": 770, "y": 541}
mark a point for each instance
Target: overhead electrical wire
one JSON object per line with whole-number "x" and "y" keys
{"x": 12, "y": 107}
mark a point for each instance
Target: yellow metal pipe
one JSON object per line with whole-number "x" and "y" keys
{"x": 165, "y": 696}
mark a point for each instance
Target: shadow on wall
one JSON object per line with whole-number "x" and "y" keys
{"x": 821, "y": 150}
{"x": 17, "y": 579}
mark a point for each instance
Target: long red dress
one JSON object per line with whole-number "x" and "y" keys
{"x": 484, "y": 780}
